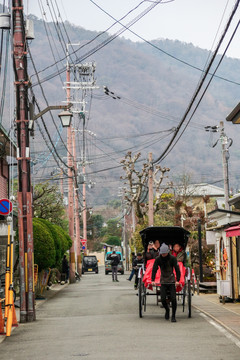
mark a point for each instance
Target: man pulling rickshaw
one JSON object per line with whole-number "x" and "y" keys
{"x": 167, "y": 263}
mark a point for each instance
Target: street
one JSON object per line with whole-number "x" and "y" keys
{"x": 98, "y": 319}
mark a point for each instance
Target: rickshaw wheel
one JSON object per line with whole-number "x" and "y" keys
{"x": 140, "y": 300}
{"x": 184, "y": 294}
{"x": 141, "y": 297}
{"x": 189, "y": 295}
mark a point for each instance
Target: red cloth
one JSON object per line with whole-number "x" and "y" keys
{"x": 147, "y": 278}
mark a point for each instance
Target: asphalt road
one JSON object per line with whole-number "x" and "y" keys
{"x": 98, "y": 319}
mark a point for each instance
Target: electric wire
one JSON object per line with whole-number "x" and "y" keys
{"x": 99, "y": 46}
{"x": 199, "y": 101}
{"x": 161, "y": 50}
{"x": 197, "y": 91}
{"x": 147, "y": 109}
{"x": 48, "y": 31}
{"x": 90, "y": 41}
{"x": 45, "y": 98}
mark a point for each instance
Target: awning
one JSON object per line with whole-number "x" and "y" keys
{"x": 233, "y": 231}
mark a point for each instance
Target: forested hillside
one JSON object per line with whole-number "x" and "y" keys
{"x": 145, "y": 76}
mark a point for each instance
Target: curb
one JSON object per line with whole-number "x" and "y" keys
{"x": 233, "y": 332}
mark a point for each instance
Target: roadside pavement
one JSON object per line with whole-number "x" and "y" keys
{"x": 48, "y": 294}
{"x": 227, "y": 315}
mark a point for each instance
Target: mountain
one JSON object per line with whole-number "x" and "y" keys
{"x": 143, "y": 77}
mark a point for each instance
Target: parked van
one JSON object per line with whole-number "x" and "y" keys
{"x": 90, "y": 264}
{"x": 108, "y": 267}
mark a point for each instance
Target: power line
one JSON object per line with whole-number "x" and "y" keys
{"x": 197, "y": 91}
{"x": 145, "y": 108}
{"x": 90, "y": 41}
{"x": 99, "y": 46}
{"x": 161, "y": 50}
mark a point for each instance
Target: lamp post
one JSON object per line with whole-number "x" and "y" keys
{"x": 63, "y": 115}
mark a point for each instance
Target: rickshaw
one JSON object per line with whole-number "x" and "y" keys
{"x": 169, "y": 235}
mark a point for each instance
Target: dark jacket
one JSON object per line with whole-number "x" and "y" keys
{"x": 114, "y": 258}
{"x": 137, "y": 261}
{"x": 166, "y": 265}
{"x": 152, "y": 254}
{"x": 65, "y": 266}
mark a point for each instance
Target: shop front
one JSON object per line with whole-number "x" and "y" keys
{"x": 224, "y": 233}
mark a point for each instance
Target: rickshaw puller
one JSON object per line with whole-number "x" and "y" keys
{"x": 167, "y": 262}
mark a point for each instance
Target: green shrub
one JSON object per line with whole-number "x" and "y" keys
{"x": 44, "y": 247}
{"x": 62, "y": 240}
{"x": 65, "y": 240}
{"x": 56, "y": 238}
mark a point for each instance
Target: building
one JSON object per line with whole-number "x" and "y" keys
{"x": 7, "y": 157}
{"x": 224, "y": 232}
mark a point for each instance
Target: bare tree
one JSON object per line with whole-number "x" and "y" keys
{"x": 136, "y": 192}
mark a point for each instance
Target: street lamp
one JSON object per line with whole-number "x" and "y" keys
{"x": 66, "y": 118}
{"x": 65, "y": 115}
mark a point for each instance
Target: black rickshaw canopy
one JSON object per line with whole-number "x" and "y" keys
{"x": 169, "y": 235}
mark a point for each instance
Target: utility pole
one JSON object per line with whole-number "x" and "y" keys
{"x": 150, "y": 191}
{"x": 83, "y": 81}
{"x": 224, "y": 142}
{"x": 26, "y": 253}
{"x": 133, "y": 225}
{"x": 76, "y": 208}
{"x": 84, "y": 212}
{"x": 72, "y": 266}
{"x": 200, "y": 250}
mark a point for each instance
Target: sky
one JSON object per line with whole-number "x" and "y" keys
{"x": 200, "y": 22}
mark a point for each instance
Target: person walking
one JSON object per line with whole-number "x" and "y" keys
{"x": 138, "y": 260}
{"x": 133, "y": 270}
{"x": 65, "y": 268}
{"x": 114, "y": 258}
{"x": 167, "y": 262}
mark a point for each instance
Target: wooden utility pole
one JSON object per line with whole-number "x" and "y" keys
{"x": 150, "y": 191}
{"x": 84, "y": 212}
{"x": 70, "y": 185}
{"x": 25, "y": 230}
{"x": 200, "y": 250}
{"x": 76, "y": 209}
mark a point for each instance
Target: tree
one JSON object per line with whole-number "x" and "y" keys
{"x": 113, "y": 240}
{"x": 112, "y": 229}
{"x": 115, "y": 203}
{"x": 135, "y": 194}
{"x": 48, "y": 204}
{"x": 62, "y": 240}
{"x": 44, "y": 247}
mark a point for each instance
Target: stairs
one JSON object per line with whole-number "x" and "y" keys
{"x": 207, "y": 287}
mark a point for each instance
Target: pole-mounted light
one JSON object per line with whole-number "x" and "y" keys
{"x": 66, "y": 118}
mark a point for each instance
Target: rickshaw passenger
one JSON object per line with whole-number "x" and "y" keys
{"x": 167, "y": 262}
{"x": 152, "y": 250}
{"x": 179, "y": 253}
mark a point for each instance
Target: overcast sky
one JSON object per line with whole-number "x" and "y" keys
{"x": 200, "y": 22}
